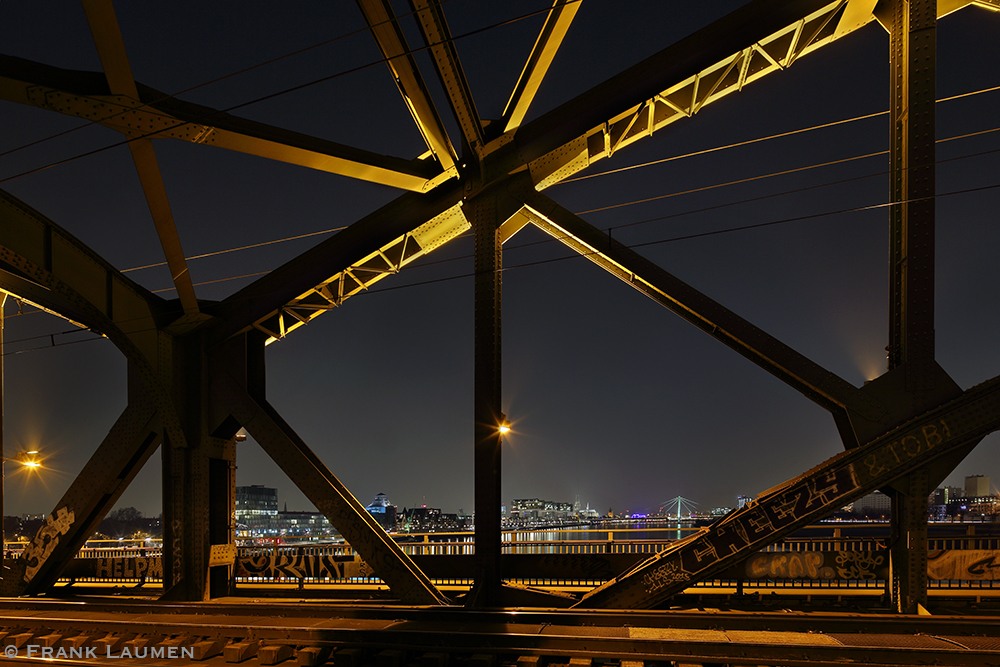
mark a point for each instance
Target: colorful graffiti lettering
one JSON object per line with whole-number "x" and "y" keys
{"x": 47, "y": 540}
{"x": 861, "y": 565}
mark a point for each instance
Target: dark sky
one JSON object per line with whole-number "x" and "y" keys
{"x": 613, "y": 398}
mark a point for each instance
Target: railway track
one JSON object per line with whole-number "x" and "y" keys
{"x": 124, "y": 632}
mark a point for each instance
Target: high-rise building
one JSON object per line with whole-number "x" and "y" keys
{"x": 977, "y": 486}
{"x": 383, "y": 511}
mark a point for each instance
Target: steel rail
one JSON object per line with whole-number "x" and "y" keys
{"x": 810, "y": 639}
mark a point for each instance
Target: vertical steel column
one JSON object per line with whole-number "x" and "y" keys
{"x": 912, "y": 26}
{"x": 198, "y": 478}
{"x": 912, "y": 39}
{"x": 487, "y": 412}
{"x": 908, "y": 547}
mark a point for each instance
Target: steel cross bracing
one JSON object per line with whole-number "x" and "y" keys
{"x": 196, "y": 370}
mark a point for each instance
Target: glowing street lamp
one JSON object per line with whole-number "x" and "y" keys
{"x": 29, "y": 459}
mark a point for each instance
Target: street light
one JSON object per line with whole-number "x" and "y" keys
{"x": 29, "y": 459}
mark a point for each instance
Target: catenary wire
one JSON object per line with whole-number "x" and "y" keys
{"x": 760, "y": 139}
{"x": 637, "y": 201}
{"x": 146, "y": 105}
{"x": 800, "y": 218}
{"x": 274, "y": 95}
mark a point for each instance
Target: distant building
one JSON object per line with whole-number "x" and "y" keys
{"x": 873, "y": 505}
{"x": 432, "y": 520}
{"x": 254, "y": 510}
{"x": 383, "y": 511}
{"x": 977, "y": 486}
{"x": 535, "y": 509}
{"x": 255, "y": 513}
{"x": 742, "y": 500}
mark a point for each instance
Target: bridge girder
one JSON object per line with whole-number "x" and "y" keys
{"x": 762, "y": 37}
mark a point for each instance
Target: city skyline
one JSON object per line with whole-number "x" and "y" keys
{"x": 609, "y": 394}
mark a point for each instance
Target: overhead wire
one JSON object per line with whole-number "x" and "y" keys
{"x": 633, "y": 202}
{"x": 147, "y": 105}
{"x": 215, "y": 112}
{"x": 760, "y": 139}
{"x": 577, "y": 255}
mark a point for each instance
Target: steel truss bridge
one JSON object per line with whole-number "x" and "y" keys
{"x": 196, "y": 369}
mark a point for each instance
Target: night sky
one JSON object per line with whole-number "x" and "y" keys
{"x": 613, "y": 398}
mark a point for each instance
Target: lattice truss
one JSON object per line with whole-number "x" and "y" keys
{"x": 907, "y": 428}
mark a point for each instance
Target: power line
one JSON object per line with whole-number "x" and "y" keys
{"x": 273, "y": 95}
{"x": 213, "y": 81}
{"x": 760, "y": 139}
{"x": 551, "y": 260}
{"x": 623, "y": 204}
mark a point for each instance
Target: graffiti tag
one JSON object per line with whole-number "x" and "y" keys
{"x": 47, "y": 539}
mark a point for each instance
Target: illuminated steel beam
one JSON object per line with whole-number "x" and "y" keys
{"x": 437, "y": 37}
{"x": 544, "y": 51}
{"x": 111, "y": 50}
{"x": 155, "y": 115}
{"x": 319, "y": 279}
{"x": 311, "y": 476}
{"x": 391, "y": 42}
{"x": 759, "y": 38}
{"x": 805, "y": 499}
{"x": 112, "y": 467}
{"x": 820, "y": 385}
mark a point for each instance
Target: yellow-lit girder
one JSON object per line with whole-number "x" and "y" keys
{"x": 159, "y": 116}
{"x": 556, "y": 25}
{"x": 687, "y": 97}
{"x": 747, "y": 63}
{"x": 392, "y": 43}
{"x": 362, "y": 274}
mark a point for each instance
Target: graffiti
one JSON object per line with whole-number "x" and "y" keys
{"x": 984, "y": 566}
{"x": 976, "y": 564}
{"x": 862, "y": 565}
{"x": 127, "y": 568}
{"x": 301, "y": 566}
{"x": 900, "y": 451}
{"x": 663, "y": 576}
{"x": 793, "y": 506}
{"x": 176, "y": 552}
{"x": 799, "y": 565}
{"x": 46, "y": 540}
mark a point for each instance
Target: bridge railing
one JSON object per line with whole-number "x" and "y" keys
{"x": 308, "y": 563}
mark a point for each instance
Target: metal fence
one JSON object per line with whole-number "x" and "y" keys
{"x": 558, "y": 542}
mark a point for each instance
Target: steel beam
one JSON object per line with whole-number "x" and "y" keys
{"x": 156, "y": 115}
{"x": 320, "y": 279}
{"x": 807, "y": 498}
{"x": 554, "y": 30}
{"x": 251, "y": 409}
{"x": 111, "y": 49}
{"x": 437, "y": 37}
{"x": 128, "y": 445}
{"x": 816, "y": 383}
{"x": 391, "y": 42}
{"x": 912, "y": 38}
{"x": 762, "y": 37}
{"x": 487, "y": 411}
